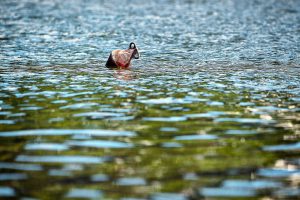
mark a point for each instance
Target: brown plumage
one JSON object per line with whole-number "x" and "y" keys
{"x": 122, "y": 58}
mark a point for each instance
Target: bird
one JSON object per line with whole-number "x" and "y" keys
{"x": 122, "y": 58}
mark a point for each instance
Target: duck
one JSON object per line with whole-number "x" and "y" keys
{"x": 122, "y": 58}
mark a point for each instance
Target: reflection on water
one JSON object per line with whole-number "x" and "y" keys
{"x": 287, "y": 147}
{"x": 125, "y": 75}
{"x": 61, "y": 132}
{"x": 210, "y": 111}
{"x": 7, "y": 192}
{"x": 84, "y": 193}
{"x": 100, "y": 144}
{"x": 131, "y": 181}
{"x": 154, "y": 137}
{"x": 60, "y": 159}
{"x": 196, "y": 137}
{"x": 17, "y": 166}
{"x": 46, "y": 146}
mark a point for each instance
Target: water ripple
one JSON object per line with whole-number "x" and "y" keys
{"x": 7, "y": 192}
{"x": 61, "y": 159}
{"x": 84, "y": 193}
{"x": 283, "y": 147}
{"x": 19, "y": 166}
{"x": 100, "y": 144}
{"x": 196, "y": 137}
{"x": 46, "y": 146}
{"x": 56, "y": 132}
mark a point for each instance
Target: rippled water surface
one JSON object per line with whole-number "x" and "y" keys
{"x": 211, "y": 110}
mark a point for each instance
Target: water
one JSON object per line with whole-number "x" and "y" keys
{"x": 211, "y": 110}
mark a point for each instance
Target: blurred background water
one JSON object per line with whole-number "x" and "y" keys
{"x": 211, "y": 110}
{"x": 168, "y": 32}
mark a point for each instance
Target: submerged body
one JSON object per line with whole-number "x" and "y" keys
{"x": 122, "y": 58}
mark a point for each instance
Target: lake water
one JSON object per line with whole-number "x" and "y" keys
{"x": 211, "y": 110}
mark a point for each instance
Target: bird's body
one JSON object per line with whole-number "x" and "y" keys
{"x": 122, "y": 58}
